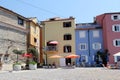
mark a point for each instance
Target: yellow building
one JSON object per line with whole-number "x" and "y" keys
{"x": 58, "y": 39}
{"x": 34, "y": 35}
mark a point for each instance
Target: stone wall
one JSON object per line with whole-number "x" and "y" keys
{"x": 11, "y": 39}
{"x": 11, "y": 18}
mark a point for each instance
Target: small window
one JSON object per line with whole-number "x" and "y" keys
{"x": 82, "y": 34}
{"x": 6, "y": 57}
{"x": 95, "y": 33}
{"x": 66, "y": 24}
{"x": 20, "y": 21}
{"x": 35, "y": 40}
{"x": 1, "y": 56}
{"x": 96, "y": 46}
{"x": 116, "y": 28}
{"x": 67, "y": 37}
{"x": 116, "y": 43}
{"x": 84, "y": 58}
{"x": 67, "y": 49}
{"x": 82, "y": 46}
{"x": 115, "y": 17}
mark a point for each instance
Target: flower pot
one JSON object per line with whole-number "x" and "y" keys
{"x": 32, "y": 66}
{"x": 16, "y": 67}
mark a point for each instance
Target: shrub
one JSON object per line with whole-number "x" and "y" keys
{"x": 32, "y": 62}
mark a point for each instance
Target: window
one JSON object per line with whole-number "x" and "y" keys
{"x": 84, "y": 58}
{"x": 115, "y": 17}
{"x": 116, "y": 42}
{"x": 6, "y": 57}
{"x": 1, "y": 56}
{"x": 95, "y": 33}
{"x": 116, "y": 28}
{"x": 67, "y": 49}
{"x": 20, "y": 21}
{"x": 82, "y": 46}
{"x": 35, "y": 40}
{"x": 82, "y": 34}
{"x": 67, "y": 37}
{"x": 96, "y": 46}
{"x": 66, "y": 24}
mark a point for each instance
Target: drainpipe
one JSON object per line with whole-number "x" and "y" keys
{"x": 88, "y": 42}
{"x": 89, "y": 46}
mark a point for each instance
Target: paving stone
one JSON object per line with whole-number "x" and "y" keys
{"x": 63, "y": 74}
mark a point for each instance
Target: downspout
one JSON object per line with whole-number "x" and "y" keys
{"x": 28, "y": 35}
{"x": 88, "y": 42}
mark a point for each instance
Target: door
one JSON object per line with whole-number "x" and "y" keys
{"x": 62, "y": 62}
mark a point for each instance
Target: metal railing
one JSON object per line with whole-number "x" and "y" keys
{"x": 52, "y": 48}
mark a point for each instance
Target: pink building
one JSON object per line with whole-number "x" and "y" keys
{"x": 111, "y": 32}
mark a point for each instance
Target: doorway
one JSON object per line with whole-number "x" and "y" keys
{"x": 68, "y": 60}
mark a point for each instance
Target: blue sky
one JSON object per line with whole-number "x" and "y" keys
{"x": 83, "y": 10}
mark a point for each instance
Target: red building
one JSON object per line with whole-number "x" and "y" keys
{"x": 111, "y": 32}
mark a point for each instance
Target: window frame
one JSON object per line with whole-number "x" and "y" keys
{"x": 35, "y": 40}
{"x": 98, "y": 46}
{"x": 67, "y": 37}
{"x": 20, "y": 21}
{"x": 114, "y": 42}
{"x": 118, "y": 17}
{"x": 96, "y": 33}
{"x": 116, "y": 25}
{"x": 80, "y": 48}
{"x": 67, "y": 24}
{"x": 85, "y": 56}
{"x": 82, "y": 34}
{"x": 68, "y": 47}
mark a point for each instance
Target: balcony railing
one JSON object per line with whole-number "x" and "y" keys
{"x": 52, "y": 48}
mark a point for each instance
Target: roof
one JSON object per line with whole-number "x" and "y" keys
{"x": 109, "y": 13}
{"x": 84, "y": 26}
{"x": 11, "y": 12}
{"x": 59, "y": 19}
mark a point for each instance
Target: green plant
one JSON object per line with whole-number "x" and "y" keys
{"x": 17, "y": 63}
{"x": 34, "y": 52}
{"x": 32, "y": 62}
{"x": 18, "y": 52}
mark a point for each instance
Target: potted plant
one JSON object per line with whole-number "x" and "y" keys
{"x": 32, "y": 65}
{"x": 17, "y": 65}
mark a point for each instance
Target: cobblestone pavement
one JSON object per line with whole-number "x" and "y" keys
{"x": 62, "y": 74}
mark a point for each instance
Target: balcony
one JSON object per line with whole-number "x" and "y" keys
{"x": 52, "y": 48}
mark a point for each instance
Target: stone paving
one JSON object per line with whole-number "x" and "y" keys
{"x": 62, "y": 74}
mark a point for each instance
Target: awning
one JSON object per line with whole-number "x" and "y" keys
{"x": 55, "y": 56}
{"x": 27, "y": 55}
{"x": 72, "y": 56}
{"x": 117, "y": 54}
{"x": 53, "y": 42}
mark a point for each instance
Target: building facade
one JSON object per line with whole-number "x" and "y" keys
{"x": 34, "y": 35}
{"x": 89, "y": 40}
{"x": 58, "y": 38}
{"x": 110, "y": 23}
{"x": 13, "y": 33}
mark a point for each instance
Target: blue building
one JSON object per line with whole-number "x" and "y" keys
{"x": 89, "y": 40}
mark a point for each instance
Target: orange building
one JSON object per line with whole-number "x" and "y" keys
{"x": 34, "y": 35}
